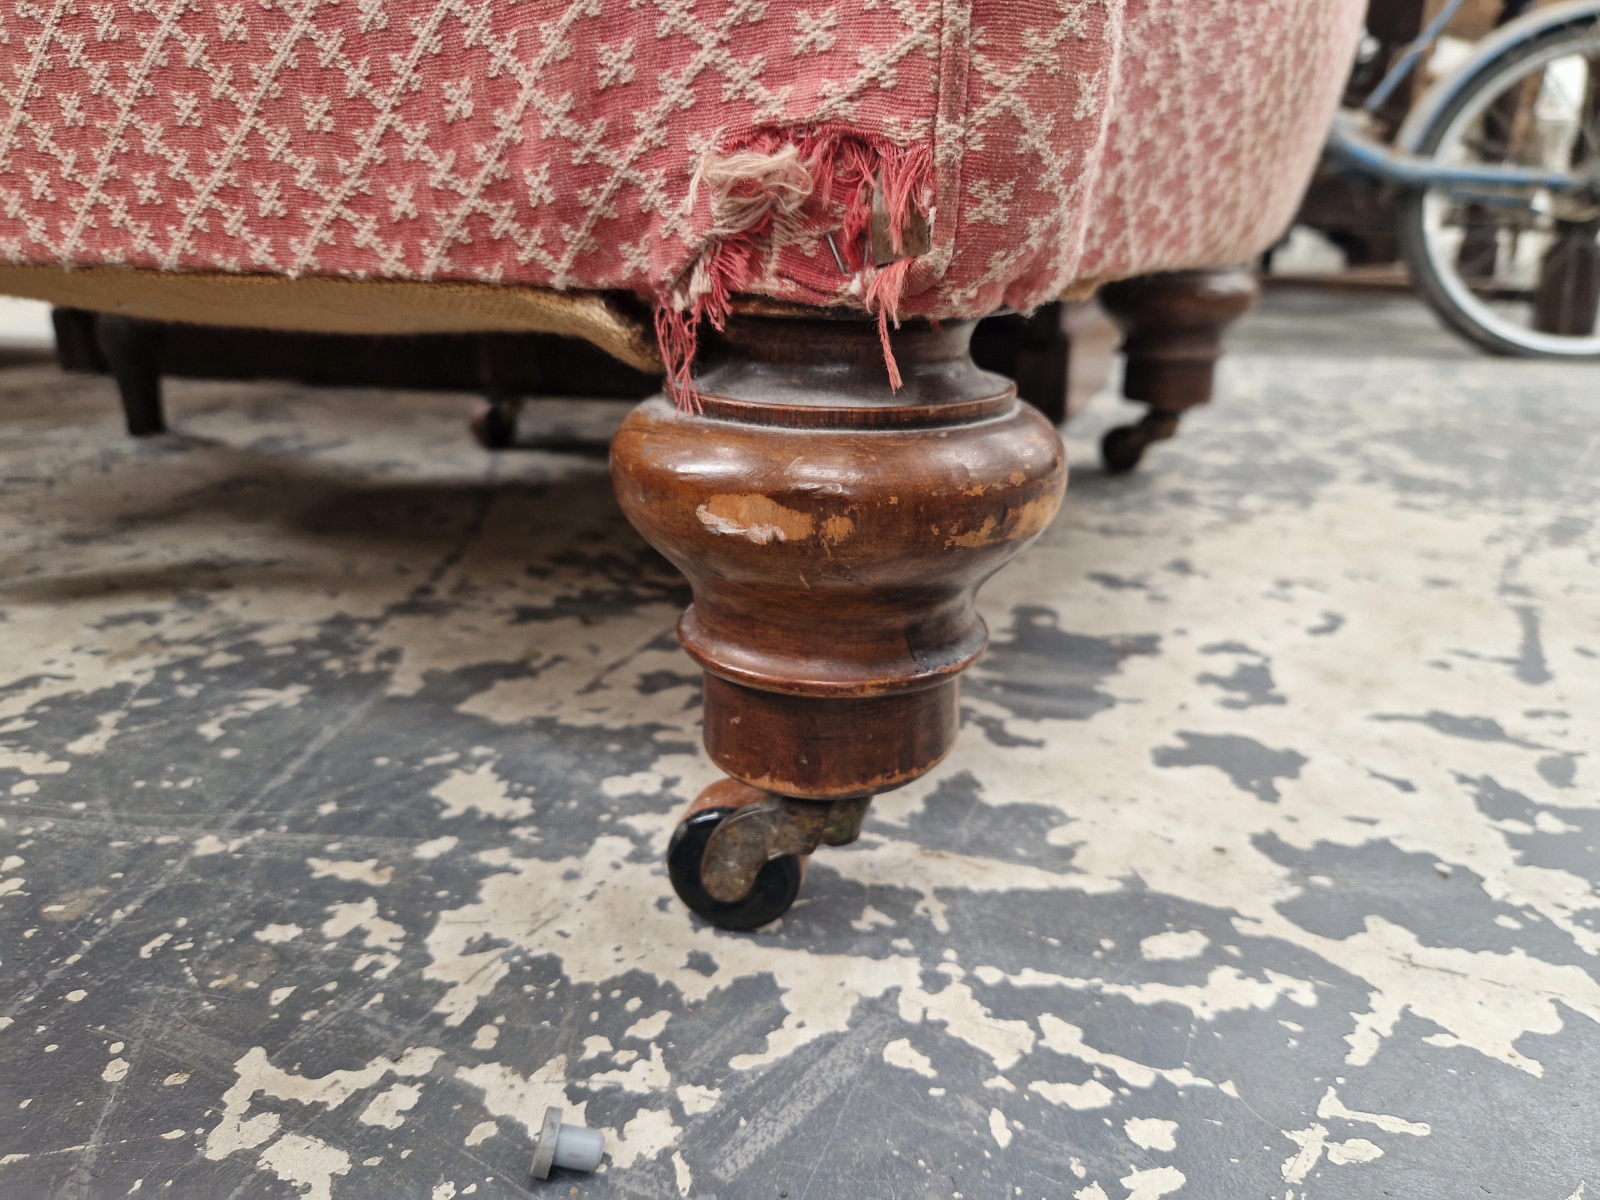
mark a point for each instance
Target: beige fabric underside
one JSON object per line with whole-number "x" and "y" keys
{"x": 319, "y": 304}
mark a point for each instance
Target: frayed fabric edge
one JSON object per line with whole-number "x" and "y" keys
{"x": 769, "y": 177}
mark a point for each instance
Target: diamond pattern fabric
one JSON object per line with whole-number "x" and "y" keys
{"x": 568, "y": 143}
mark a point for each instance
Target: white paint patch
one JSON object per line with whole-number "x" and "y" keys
{"x": 1151, "y": 1133}
{"x": 479, "y": 789}
{"x": 350, "y": 872}
{"x": 1226, "y": 989}
{"x": 31, "y": 763}
{"x": 1190, "y": 943}
{"x": 1093, "y": 1192}
{"x": 1003, "y": 1041}
{"x": 643, "y": 1077}
{"x": 274, "y": 935}
{"x": 486, "y": 1037}
{"x": 1449, "y": 986}
{"x": 278, "y": 995}
{"x": 256, "y": 1074}
{"x": 900, "y": 1053}
{"x": 428, "y": 851}
{"x": 115, "y": 1071}
{"x": 640, "y": 783}
{"x": 1331, "y": 1106}
{"x": 1547, "y": 822}
{"x": 649, "y": 1028}
{"x": 871, "y": 919}
{"x": 1356, "y": 1150}
{"x": 96, "y": 741}
{"x": 252, "y": 701}
{"x": 76, "y": 996}
{"x": 644, "y": 1137}
{"x": 387, "y": 1106}
{"x": 1067, "y": 1039}
{"x": 176, "y": 1079}
{"x": 1153, "y": 1184}
{"x": 928, "y": 872}
{"x": 998, "y": 1129}
{"x": 381, "y": 934}
{"x": 524, "y": 1098}
{"x": 1313, "y": 1142}
{"x": 307, "y": 1163}
{"x": 481, "y": 1132}
{"x": 999, "y": 1083}
{"x": 1080, "y": 1097}
{"x": 696, "y": 1099}
{"x": 605, "y": 923}
{"x": 210, "y": 844}
{"x": 681, "y": 1174}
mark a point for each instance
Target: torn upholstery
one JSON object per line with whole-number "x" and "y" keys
{"x": 997, "y": 150}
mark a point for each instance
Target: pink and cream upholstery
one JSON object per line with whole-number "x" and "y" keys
{"x": 680, "y": 150}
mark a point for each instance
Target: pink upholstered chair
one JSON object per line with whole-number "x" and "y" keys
{"x": 794, "y": 208}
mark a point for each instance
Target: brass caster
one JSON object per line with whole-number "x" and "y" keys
{"x": 739, "y": 865}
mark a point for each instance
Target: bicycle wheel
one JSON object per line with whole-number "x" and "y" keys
{"x": 1517, "y": 273}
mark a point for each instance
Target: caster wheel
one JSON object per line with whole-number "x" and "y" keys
{"x": 1122, "y": 448}
{"x": 494, "y": 426}
{"x": 775, "y": 889}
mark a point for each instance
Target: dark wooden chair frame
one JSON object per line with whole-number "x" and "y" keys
{"x": 834, "y": 533}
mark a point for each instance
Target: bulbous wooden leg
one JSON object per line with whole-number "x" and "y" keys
{"x": 835, "y": 534}
{"x": 1172, "y": 326}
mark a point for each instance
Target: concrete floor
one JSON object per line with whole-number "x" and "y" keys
{"x": 337, "y": 758}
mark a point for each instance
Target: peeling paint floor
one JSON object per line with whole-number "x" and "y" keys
{"x": 337, "y": 759}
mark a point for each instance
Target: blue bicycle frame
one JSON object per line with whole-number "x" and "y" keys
{"x": 1351, "y": 144}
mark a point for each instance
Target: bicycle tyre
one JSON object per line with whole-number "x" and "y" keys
{"x": 1451, "y": 300}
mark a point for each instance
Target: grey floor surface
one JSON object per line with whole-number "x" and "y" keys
{"x": 337, "y": 758}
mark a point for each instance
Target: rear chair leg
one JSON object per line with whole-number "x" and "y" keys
{"x": 1172, "y": 326}
{"x": 133, "y": 348}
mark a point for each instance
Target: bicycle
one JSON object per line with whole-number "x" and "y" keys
{"x": 1500, "y": 165}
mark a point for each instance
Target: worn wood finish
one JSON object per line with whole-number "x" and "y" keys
{"x": 1172, "y": 326}
{"x": 835, "y": 534}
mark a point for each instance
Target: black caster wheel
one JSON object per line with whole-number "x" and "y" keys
{"x": 1123, "y": 447}
{"x": 494, "y": 426}
{"x": 775, "y": 889}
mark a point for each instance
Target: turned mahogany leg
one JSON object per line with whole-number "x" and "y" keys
{"x": 1172, "y": 327}
{"x": 133, "y": 349}
{"x": 835, "y": 534}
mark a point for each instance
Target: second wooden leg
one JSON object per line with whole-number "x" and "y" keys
{"x": 1172, "y": 326}
{"x": 133, "y": 349}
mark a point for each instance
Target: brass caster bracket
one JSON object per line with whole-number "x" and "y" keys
{"x": 770, "y": 828}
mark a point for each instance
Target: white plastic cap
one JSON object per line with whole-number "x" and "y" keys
{"x": 579, "y": 1149}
